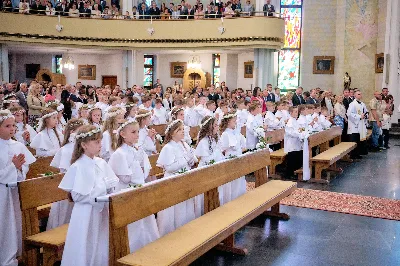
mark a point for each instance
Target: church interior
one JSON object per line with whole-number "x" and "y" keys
{"x": 237, "y": 132}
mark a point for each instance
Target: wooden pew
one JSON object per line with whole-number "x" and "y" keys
{"x": 41, "y": 166}
{"x": 160, "y": 129}
{"x": 217, "y": 225}
{"x": 278, "y": 156}
{"x": 156, "y": 171}
{"x": 34, "y": 193}
{"x": 194, "y": 132}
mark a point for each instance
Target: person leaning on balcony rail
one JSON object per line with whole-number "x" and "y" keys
{"x": 63, "y": 9}
{"x": 199, "y": 14}
{"x": 96, "y": 13}
{"x": 85, "y": 12}
{"x": 37, "y": 8}
{"x": 175, "y": 13}
{"x": 268, "y": 9}
{"x": 248, "y": 9}
{"x": 49, "y": 9}
{"x": 73, "y": 12}
{"x": 24, "y": 7}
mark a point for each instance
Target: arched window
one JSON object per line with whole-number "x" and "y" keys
{"x": 289, "y": 56}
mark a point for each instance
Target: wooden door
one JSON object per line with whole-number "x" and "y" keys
{"x": 109, "y": 80}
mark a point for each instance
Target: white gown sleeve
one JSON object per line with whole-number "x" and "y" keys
{"x": 168, "y": 161}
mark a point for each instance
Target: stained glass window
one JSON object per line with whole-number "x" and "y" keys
{"x": 289, "y": 56}
{"x": 216, "y": 68}
{"x": 148, "y": 71}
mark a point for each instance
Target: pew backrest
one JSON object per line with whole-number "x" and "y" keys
{"x": 194, "y": 131}
{"x": 155, "y": 170}
{"x": 275, "y": 136}
{"x": 160, "y": 129}
{"x": 324, "y": 136}
{"x": 41, "y": 166}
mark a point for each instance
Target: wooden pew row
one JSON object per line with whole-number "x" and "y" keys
{"x": 278, "y": 156}
{"x": 160, "y": 129}
{"x": 194, "y": 132}
{"x": 156, "y": 171}
{"x": 33, "y": 194}
{"x": 328, "y": 156}
{"x": 219, "y": 224}
{"x": 41, "y": 166}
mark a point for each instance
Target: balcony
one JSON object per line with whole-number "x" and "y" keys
{"x": 229, "y": 33}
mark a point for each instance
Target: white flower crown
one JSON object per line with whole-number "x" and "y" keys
{"x": 48, "y": 115}
{"x": 121, "y": 127}
{"x": 84, "y": 106}
{"x": 143, "y": 115}
{"x": 10, "y": 101}
{"x": 110, "y": 114}
{"x": 170, "y": 125}
{"x": 130, "y": 105}
{"x": 177, "y": 110}
{"x": 92, "y": 108}
{"x": 9, "y": 96}
{"x": 206, "y": 122}
{"x": 229, "y": 116}
{"x": 5, "y": 114}
{"x": 88, "y": 134}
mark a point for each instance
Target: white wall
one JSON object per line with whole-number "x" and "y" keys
{"x": 19, "y": 61}
{"x": 244, "y": 83}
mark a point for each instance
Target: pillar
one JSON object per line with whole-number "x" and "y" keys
{"x": 265, "y": 68}
{"x": 4, "y": 64}
{"x": 128, "y": 69}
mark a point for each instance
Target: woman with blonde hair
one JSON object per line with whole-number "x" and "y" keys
{"x": 35, "y": 103}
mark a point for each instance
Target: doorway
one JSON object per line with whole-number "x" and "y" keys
{"x": 109, "y": 80}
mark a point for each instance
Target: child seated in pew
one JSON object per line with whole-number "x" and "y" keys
{"x": 179, "y": 113}
{"x": 95, "y": 117}
{"x": 14, "y": 164}
{"x": 303, "y": 121}
{"x": 83, "y": 113}
{"x": 132, "y": 167}
{"x": 113, "y": 101}
{"x": 254, "y": 121}
{"x": 146, "y": 103}
{"x": 191, "y": 119}
{"x": 102, "y": 104}
{"x": 147, "y": 141}
{"x": 60, "y": 212}
{"x": 293, "y": 142}
{"x": 270, "y": 120}
{"x": 208, "y": 151}
{"x": 222, "y": 110}
{"x": 242, "y": 114}
{"x": 160, "y": 114}
{"x": 59, "y": 107}
{"x": 87, "y": 178}
{"x": 48, "y": 141}
{"x": 201, "y": 109}
{"x": 231, "y": 144}
{"x": 24, "y": 132}
{"x": 131, "y": 111}
{"x": 324, "y": 118}
{"x": 114, "y": 117}
{"x": 175, "y": 157}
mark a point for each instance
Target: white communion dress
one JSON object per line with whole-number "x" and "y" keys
{"x": 46, "y": 142}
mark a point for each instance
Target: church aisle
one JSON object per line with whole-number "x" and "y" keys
{"x": 313, "y": 237}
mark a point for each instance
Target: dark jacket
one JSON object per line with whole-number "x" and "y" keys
{"x": 297, "y": 100}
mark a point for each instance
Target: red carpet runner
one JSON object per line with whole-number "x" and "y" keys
{"x": 341, "y": 202}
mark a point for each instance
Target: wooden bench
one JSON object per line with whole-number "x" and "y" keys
{"x": 329, "y": 158}
{"x": 41, "y": 166}
{"x": 322, "y": 140}
{"x": 160, "y": 129}
{"x": 156, "y": 171}
{"x": 278, "y": 156}
{"x": 217, "y": 225}
{"x": 194, "y": 132}
{"x": 33, "y": 194}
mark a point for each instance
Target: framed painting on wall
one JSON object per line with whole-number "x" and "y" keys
{"x": 87, "y": 72}
{"x": 324, "y": 65}
{"x": 178, "y": 69}
{"x": 248, "y": 69}
{"x": 379, "y": 63}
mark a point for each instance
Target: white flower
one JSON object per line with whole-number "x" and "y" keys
{"x": 260, "y": 145}
{"x": 159, "y": 138}
{"x": 260, "y": 132}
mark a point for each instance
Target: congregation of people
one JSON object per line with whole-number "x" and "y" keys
{"x": 100, "y": 9}
{"x": 101, "y": 139}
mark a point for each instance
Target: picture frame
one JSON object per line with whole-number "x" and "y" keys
{"x": 177, "y": 69}
{"x": 87, "y": 72}
{"x": 324, "y": 65}
{"x": 31, "y": 70}
{"x": 248, "y": 69}
{"x": 379, "y": 62}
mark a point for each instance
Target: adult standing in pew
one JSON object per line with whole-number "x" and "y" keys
{"x": 376, "y": 118}
{"x": 14, "y": 164}
{"x": 88, "y": 177}
{"x": 175, "y": 157}
{"x": 357, "y": 113}
{"x": 132, "y": 167}
{"x": 297, "y": 98}
{"x": 60, "y": 212}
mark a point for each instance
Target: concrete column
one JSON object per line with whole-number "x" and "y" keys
{"x": 265, "y": 67}
{"x": 137, "y": 68}
{"x": 128, "y": 69}
{"x": 4, "y": 64}
{"x": 232, "y": 71}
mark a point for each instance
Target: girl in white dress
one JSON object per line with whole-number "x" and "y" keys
{"x": 95, "y": 117}
{"x": 209, "y": 153}
{"x": 14, "y": 164}
{"x": 175, "y": 157}
{"x": 232, "y": 144}
{"x": 25, "y": 133}
{"x": 48, "y": 141}
{"x": 132, "y": 167}
{"x": 160, "y": 114}
{"x": 131, "y": 110}
{"x": 60, "y": 212}
{"x": 114, "y": 117}
{"x": 147, "y": 140}
{"x": 254, "y": 121}
{"x": 59, "y": 107}
{"x": 87, "y": 178}
{"x": 83, "y": 113}
{"x": 179, "y": 113}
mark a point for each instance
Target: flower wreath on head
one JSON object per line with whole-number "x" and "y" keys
{"x": 59, "y": 108}
{"x": 9, "y": 96}
{"x": 21, "y": 111}
{"x": 41, "y": 119}
{"x": 10, "y": 101}
{"x": 228, "y": 116}
{"x": 143, "y": 115}
{"x": 172, "y": 124}
{"x": 174, "y": 112}
{"x": 129, "y": 105}
{"x": 122, "y": 126}
{"x": 93, "y": 107}
{"x": 4, "y": 115}
{"x": 119, "y": 111}
{"x": 84, "y": 106}
{"x": 206, "y": 122}
{"x": 77, "y": 123}
{"x": 88, "y": 134}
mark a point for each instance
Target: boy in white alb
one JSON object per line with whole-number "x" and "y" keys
{"x": 254, "y": 121}
{"x": 191, "y": 117}
{"x": 146, "y": 103}
{"x": 270, "y": 120}
{"x": 242, "y": 114}
{"x": 160, "y": 114}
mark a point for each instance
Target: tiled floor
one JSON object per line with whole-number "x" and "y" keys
{"x": 313, "y": 237}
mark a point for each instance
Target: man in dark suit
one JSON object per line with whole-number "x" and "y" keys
{"x": 297, "y": 98}
{"x": 85, "y": 11}
{"x": 62, "y": 8}
{"x": 268, "y": 9}
{"x": 22, "y": 94}
{"x": 100, "y": 7}
{"x": 37, "y": 8}
{"x": 313, "y": 97}
{"x": 143, "y": 12}
{"x": 154, "y": 11}
{"x": 190, "y": 12}
{"x": 267, "y": 96}
{"x": 346, "y": 98}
